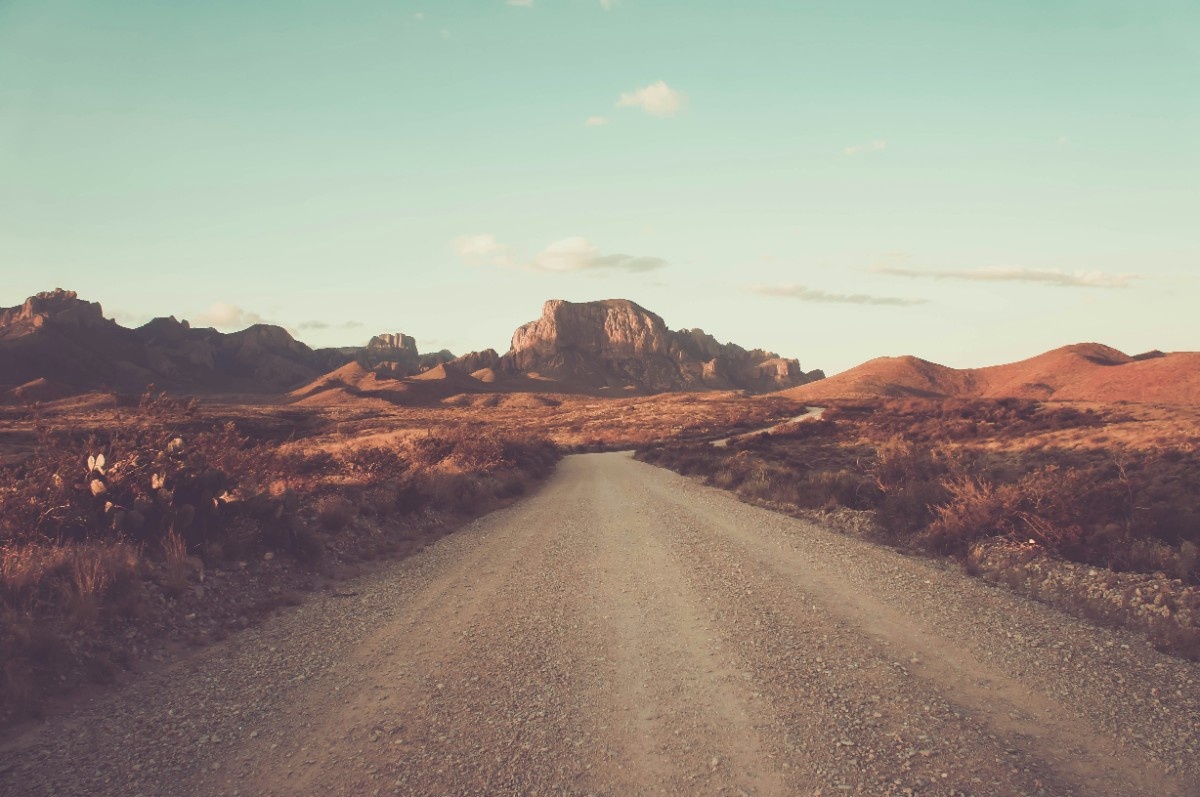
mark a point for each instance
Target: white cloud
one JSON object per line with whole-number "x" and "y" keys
{"x": 570, "y": 254}
{"x": 1054, "y": 277}
{"x": 878, "y": 145}
{"x": 805, "y": 294}
{"x": 579, "y": 254}
{"x": 231, "y": 316}
{"x": 478, "y": 247}
{"x": 608, "y": 5}
{"x": 595, "y": 121}
{"x": 520, "y": 3}
{"x": 1062, "y": 141}
{"x": 657, "y": 99}
{"x": 445, "y": 33}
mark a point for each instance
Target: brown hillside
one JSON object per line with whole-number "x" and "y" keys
{"x": 354, "y": 382}
{"x": 1083, "y": 372}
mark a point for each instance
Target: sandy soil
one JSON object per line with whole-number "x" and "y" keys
{"x": 626, "y": 631}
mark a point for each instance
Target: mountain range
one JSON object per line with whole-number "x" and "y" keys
{"x": 56, "y": 344}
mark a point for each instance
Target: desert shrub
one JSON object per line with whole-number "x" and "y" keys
{"x": 410, "y": 495}
{"x": 535, "y": 455}
{"x": 461, "y": 493}
{"x": 74, "y": 577}
{"x": 299, "y": 464}
{"x": 900, "y": 462}
{"x": 510, "y": 485}
{"x": 378, "y": 501}
{"x": 481, "y": 453}
{"x": 760, "y": 483}
{"x": 374, "y": 463}
{"x": 909, "y": 481}
{"x": 845, "y": 488}
{"x": 726, "y": 478}
{"x": 929, "y": 420}
{"x": 430, "y": 450}
{"x": 334, "y": 512}
{"x": 905, "y": 510}
{"x": 974, "y": 508}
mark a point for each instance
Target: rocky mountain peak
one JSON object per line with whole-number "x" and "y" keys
{"x": 58, "y": 306}
{"x": 612, "y": 328}
{"x": 389, "y": 341}
{"x": 616, "y": 343}
{"x": 393, "y": 352}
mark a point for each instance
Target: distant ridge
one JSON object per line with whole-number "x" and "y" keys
{"x": 56, "y": 345}
{"x": 1082, "y": 372}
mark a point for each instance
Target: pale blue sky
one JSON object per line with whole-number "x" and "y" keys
{"x": 970, "y": 182}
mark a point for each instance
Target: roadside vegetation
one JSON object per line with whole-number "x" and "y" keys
{"x": 1094, "y": 509}
{"x": 107, "y": 531}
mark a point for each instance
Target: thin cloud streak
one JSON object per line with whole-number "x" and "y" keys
{"x": 318, "y": 324}
{"x": 570, "y": 254}
{"x": 879, "y": 145}
{"x": 802, "y": 293}
{"x": 1053, "y": 277}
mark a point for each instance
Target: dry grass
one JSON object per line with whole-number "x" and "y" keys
{"x": 107, "y": 507}
{"x": 1115, "y": 488}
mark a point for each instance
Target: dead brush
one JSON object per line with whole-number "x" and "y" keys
{"x": 175, "y": 577}
{"x": 95, "y": 569}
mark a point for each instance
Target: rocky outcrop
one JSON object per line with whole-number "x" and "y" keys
{"x": 435, "y": 358}
{"x": 476, "y": 360}
{"x": 618, "y": 344}
{"x": 57, "y": 307}
{"x": 392, "y": 353}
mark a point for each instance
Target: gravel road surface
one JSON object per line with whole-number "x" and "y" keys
{"x": 626, "y": 631}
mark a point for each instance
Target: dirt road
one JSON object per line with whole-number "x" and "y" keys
{"x": 809, "y": 414}
{"x": 626, "y": 631}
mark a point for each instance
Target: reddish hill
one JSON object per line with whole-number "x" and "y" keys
{"x": 354, "y": 382}
{"x": 1083, "y": 372}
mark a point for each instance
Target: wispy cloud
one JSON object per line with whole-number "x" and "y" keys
{"x": 520, "y": 3}
{"x": 317, "y": 324}
{"x": 570, "y": 254}
{"x": 483, "y": 247}
{"x": 802, "y": 293}
{"x": 419, "y": 15}
{"x": 608, "y": 5}
{"x": 657, "y": 99}
{"x": 595, "y": 121}
{"x": 1053, "y": 277}
{"x": 878, "y": 145}
{"x": 579, "y": 254}
{"x": 229, "y": 316}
